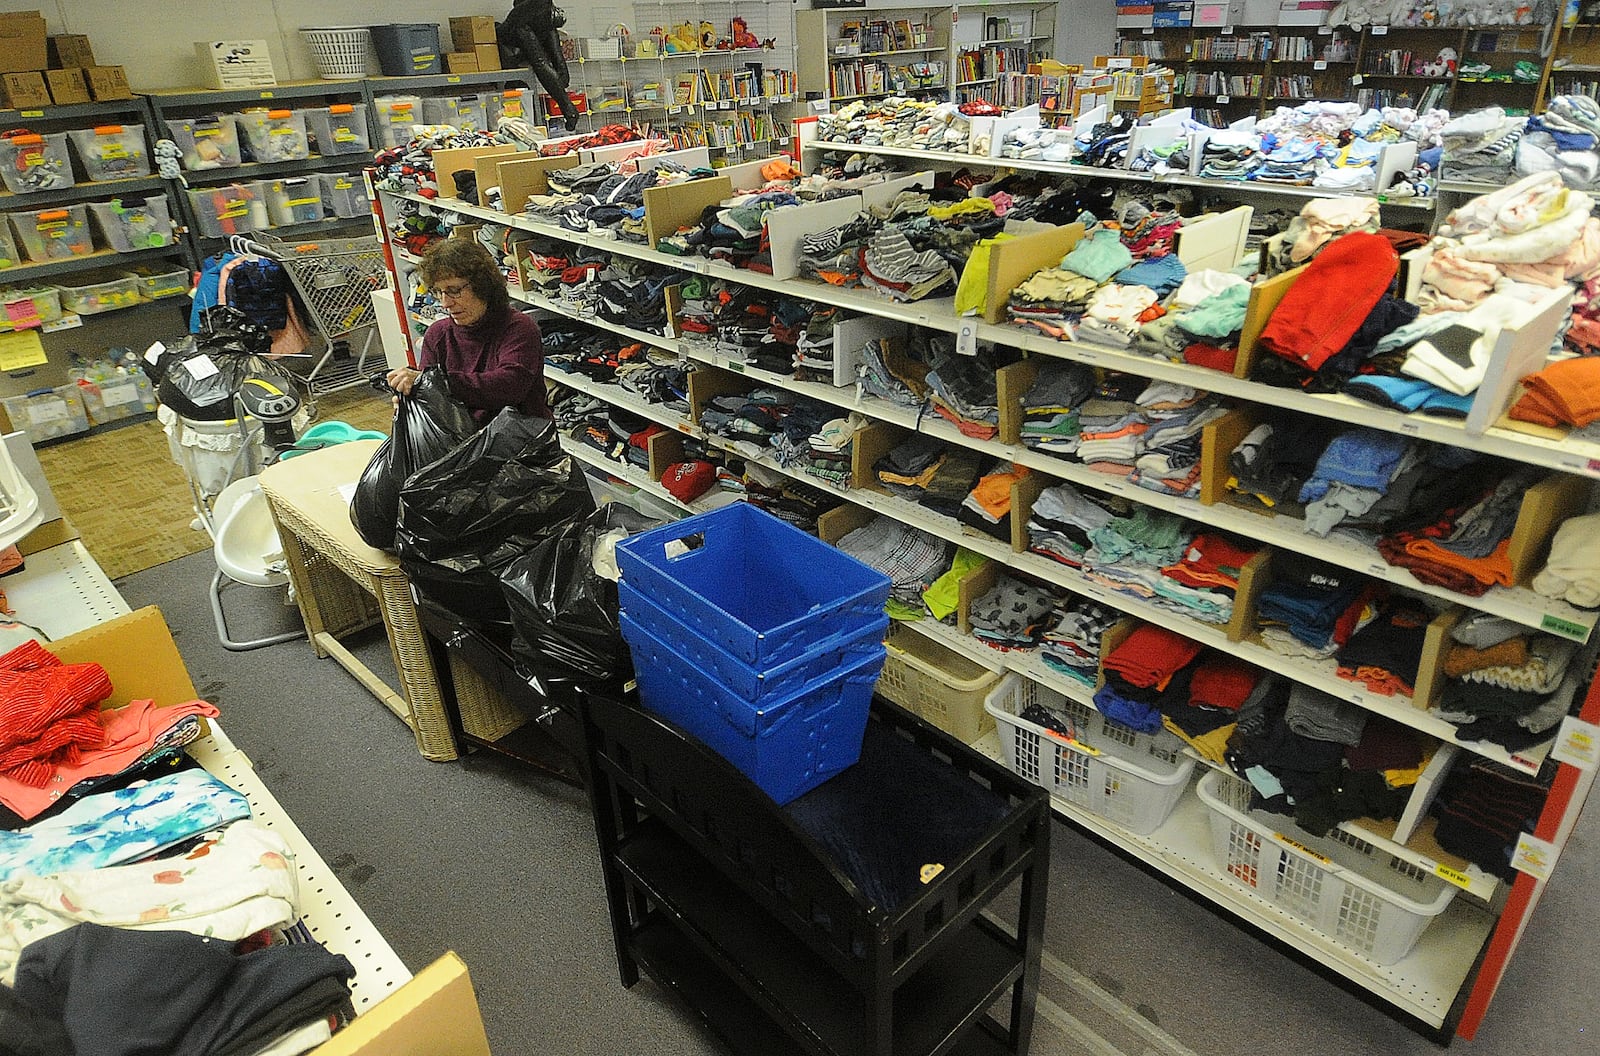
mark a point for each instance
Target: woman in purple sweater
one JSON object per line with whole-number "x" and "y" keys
{"x": 491, "y": 351}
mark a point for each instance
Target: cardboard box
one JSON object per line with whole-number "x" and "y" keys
{"x": 67, "y": 86}
{"x": 22, "y": 42}
{"x": 469, "y": 30}
{"x": 488, "y": 57}
{"x": 461, "y": 62}
{"x": 108, "y": 82}
{"x": 24, "y": 91}
{"x": 434, "y": 1014}
{"x": 70, "y": 49}
{"x": 235, "y": 63}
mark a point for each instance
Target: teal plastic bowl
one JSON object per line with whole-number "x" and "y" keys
{"x": 328, "y": 434}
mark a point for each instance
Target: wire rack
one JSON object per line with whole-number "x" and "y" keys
{"x": 335, "y": 279}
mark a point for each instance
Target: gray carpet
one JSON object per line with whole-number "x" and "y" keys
{"x": 498, "y": 863}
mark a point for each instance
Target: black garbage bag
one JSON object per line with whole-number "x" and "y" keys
{"x": 198, "y": 380}
{"x": 427, "y": 425}
{"x": 563, "y": 607}
{"x": 482, "y": 506}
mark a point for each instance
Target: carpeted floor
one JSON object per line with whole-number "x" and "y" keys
{"x": 498, "y": 863}
{"x": 131, "y": 502}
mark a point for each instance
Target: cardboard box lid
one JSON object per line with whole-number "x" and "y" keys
{"x": 434, "y": 1014}
{"x": 137, "y": 652}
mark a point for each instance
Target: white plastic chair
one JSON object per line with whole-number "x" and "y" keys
{"x": 247, "y": 550}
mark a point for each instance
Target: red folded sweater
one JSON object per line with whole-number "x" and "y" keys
{"x": 49, "y": 712}
{"x": 1331, "y": 299}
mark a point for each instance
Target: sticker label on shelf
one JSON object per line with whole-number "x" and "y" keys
{"x": 1357, "y": 79}
{"x": 967, "y": 339}
{"x": 819, "y": 106}
{"x": 1227, "y": 31}
{"x": 1564, "y": 627}
{"x": 1534, "y": 856}
{"x": 1324, "y": 31}
{"x": 1223, "y": 100}
{"x": 1377, "y": 31}
{"x": 1453, "y": 876}
{"x": 1320, "y": 64}
{"x": 1577, "y": 743}
{"x": 70, "y": 321}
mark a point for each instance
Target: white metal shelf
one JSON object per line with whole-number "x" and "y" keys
{"x": 1067, "y": 168}
{"x": 1321, "y": 675}
{"x": 62, "y": 590}
{"x": 630, "y": 474}
{"x": 329, "y": 912}
{"x": 617, "y": 397}
{"x": 555, "y": 306}
{"x": 1567, "y": 455}
{"x": 1424, "y": 984}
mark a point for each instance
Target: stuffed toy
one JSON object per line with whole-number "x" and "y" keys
{"x": 742, "y": 37}
{"x": 682, "y": 39}
{"x": 168, "y": 156}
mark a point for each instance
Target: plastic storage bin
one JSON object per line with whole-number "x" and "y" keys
{"x": 94, "y": 292}
{"x": 207, "y": 142}
{"x": 111, "y": 152}
{"x": 32, "y": 162}
{"x": 760, "y": 588}
{"x": 339, "y": 129}
{"x": 54, "y": 234}
{"x": 393, "y": 116}
{"x": 26, "y": 305}
{"x": 938, "y": 684}
{"x": 752, "y": 683}
{"x": 468, "y": 112}
{"x": 46, "y": 414}
{"x": 787, "y": 745}
{"x": 297, "y": 200}
{"x": 228, "y": 209}
{"x": 156, "y": 283}
{"x": 274, "y": 135}
{"x": 1130, "y": 778}
{"x": 408, "y": 49}
{"x": 113, "y": 399}
{"x": 134, "y": 223}
{"x": 517, "y": 103}
{"x": 344, "y": 195}
{"x": 1346, "y": 888}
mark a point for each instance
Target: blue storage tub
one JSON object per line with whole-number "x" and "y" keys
{"x": 753, "y": 683}
{"x": 755, "y": 585}
{"x": 786, "y": 745}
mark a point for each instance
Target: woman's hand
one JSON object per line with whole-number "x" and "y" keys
{"x": 401, "y": 379}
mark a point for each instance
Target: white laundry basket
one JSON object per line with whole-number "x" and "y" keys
{"x": 1348, "y": 889}
{"x": 340, "y": 52}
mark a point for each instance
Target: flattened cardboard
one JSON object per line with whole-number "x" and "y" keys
{"x": 1014, "y": 260}
{"x": 434, "y": 1014}
{"x": 451, "y": 160}
{"x": 522, "y": 177}
{"x": 666, "y": 209}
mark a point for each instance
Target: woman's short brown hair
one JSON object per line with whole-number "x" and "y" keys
{"x": 463, "y": 258}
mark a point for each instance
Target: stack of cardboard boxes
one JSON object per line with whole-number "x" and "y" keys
{"x": 473, "y": 45}
{"x": 38, "y": 70}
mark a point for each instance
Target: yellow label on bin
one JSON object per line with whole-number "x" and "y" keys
{"x": 113, "y": 151}
{"x": 1302, "y": 848}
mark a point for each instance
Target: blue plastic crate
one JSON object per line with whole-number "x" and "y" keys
{"x": 753, "y": 683}
{"x": 787, "y": 745}
{"x": 757, "y": 586}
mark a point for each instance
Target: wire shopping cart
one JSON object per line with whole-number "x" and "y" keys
{"x": 334, "y": 279}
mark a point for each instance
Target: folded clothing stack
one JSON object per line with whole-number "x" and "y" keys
{"x": 1573, "y": 571}
{"x": 1071, "y": 646}
{"x": 1565, "y": 393}
{"x": 1169, "y": 451}
{"x": 1146, "y": 667}
{"x": 1481, "y": 145}
{"x": 988, "y": 506}
{"x": 750, "y": 417}
{"x": 1050, "y": 408}
{"x": 888, "y": 373}
{"x": 907, "y": 467}
{"x": 1312, "y": 609}
{"x": 1218, "y": 688}
{"x": 1483, "y": 808}
{"x": 1385, "y": 654}
{"x": 1230, "y": 154}
{"x": 1352, "y": 474}
{"x": 1012, "y": 614}
{"x": 1466, "y": 548}
{"x": 814, "y": 351}
{"x": 964, "y": 393}
{"x": 1515, "y": 703}
{"x": 1213, "y": 563}
{"x": 1062, "y": 520}
{"x": 910, "y": 557}
{"x": 811, "y": 438}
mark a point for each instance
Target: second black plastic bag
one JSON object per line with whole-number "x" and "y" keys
{"x": 429, "y": 423}
{"x": 563, "y": 595}
{"x": 482, "y": 506}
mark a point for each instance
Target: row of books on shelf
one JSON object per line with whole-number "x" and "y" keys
{"x": 1197, "y": 83}
{"x": 976, "y": 64}
{"x": 1222, "y": 49}
{"x": 1393, "y": 61}
{"x": 868, "y": 77}
{"x": 1378, "y": 98}
{"x": 724, "y": 132}
{"x": 1299, "y": 86}
{"x": 1576, "y": 86}
{"x": 1136, "y": 47}
{"x": 883, "y": 34}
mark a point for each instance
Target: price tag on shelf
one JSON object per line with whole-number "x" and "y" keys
{"x": 1227, "y": 31}
{"x": 1380, "y": 31}
{"x": 674, "y": 109}
{"x": 265, "y": 95}
{"x": 1324, "y": 31}
{"x": 1148, "y": 31}
{"x": 819, "y": 106}
{"x": 454, "y": 78}
{"x": 1320, "y": 64}
{"x": 1357, "y": 79}
{"x": 1578, "y": 743}
{"x": 69, "y": 321}
{"x": 1534, "y": 856}
{"x": 1453, "y": 876}
{"x": 31, "y": 113}
{"x": 1224, "y": 99}
{"x": 1564, "y": 627}
{"x": 967, "y": 339}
